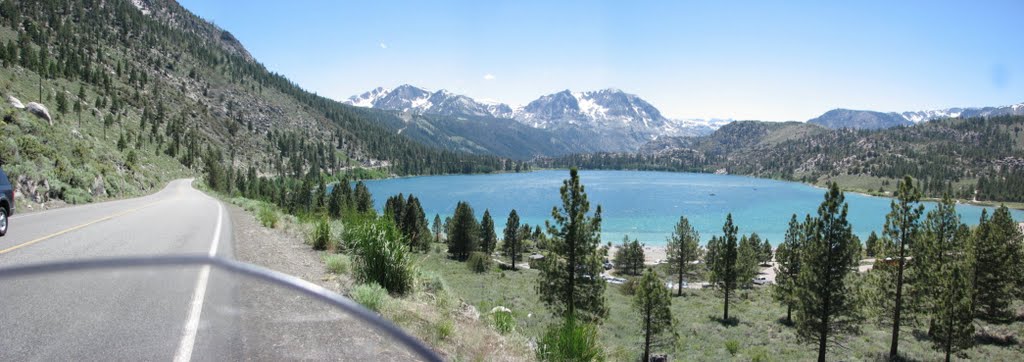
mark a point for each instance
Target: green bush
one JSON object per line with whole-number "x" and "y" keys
{"x": 570, "y": 340}
{"x": 268, "y": 217}
{"x": 733, "y": 346}
{"x": 337, "y": 263}
{"x": 760, "y": 355}
{"x": 504, "y": 321}
{"x": 445, "y": 328}
{"x": 371, "y": 296}
{"x": 380, "y": 254}
{"x": 321, "y": 235}
{"x": 432, "y": 282}
{"x": 478, "y": 262}
{"x": 629, "y": 287}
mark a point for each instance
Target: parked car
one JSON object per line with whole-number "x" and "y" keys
{"x": 760, "y": 280}
{"x": 6, "y": 202}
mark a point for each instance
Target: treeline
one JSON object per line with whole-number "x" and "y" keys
{"x": 941, "y": 154}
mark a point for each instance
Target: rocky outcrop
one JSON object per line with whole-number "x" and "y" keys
{"x": 37, "y": 191}
{"x": 40, "y": 111}
{"x": 98, "y": 189}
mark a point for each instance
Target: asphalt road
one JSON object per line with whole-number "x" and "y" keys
{"x": 129, "y": 314}
{"x": 165, "y": 313}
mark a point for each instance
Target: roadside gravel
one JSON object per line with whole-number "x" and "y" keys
{"x": 281, "y": 325}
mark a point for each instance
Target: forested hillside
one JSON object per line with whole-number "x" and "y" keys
{"x": 952, "y": 155}
{"x": 139, "y": 92}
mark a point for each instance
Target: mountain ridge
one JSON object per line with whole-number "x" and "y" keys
{"x": 609, "y": 113}
{"x": 868, "y": 119}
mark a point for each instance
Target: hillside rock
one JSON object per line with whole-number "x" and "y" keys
{"x": 40, "y": 111}
{"x": 98, "y": 189}
{"x": 15, "y": 102}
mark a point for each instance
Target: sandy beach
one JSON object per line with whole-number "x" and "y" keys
{"x": 652, "y": 254}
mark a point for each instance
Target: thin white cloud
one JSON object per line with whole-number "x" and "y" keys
{"x": 383, "y": 46}
{"x": 488, "y": 76}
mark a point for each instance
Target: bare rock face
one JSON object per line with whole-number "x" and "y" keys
{"x": 40, "y": 111}
{"x": 15, "y": 102}
{"x": 37, "y": 191}
{"x": 98, "y": 189}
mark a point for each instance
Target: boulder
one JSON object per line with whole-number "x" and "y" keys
{"x": 15, "y": 102}
{"x": 98, "y": 189}
{"x": 40, "y": 111}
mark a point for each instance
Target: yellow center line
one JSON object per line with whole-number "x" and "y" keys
{"x": 73, "y": 228}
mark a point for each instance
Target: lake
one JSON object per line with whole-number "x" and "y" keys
{"x": 643, "y": 204}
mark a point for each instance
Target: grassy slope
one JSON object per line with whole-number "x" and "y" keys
{"x": 701, "y": 337}
{"x": 69, "y": 156}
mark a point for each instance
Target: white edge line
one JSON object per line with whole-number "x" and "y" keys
{"x": 188, "y": 338}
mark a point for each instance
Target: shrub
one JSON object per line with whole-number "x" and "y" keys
{"x": 760, "y": 355}
{"x": 628, "y": 287}
{"x": 371, "y": 296}
{"x": 733, "y": 346}
{"x": 337, "y": 263}
{"x": 478, "y": 262}
{"x": 432, "y": 282}
{"x": 504, "y": 321}
{"x": 268, "y": 217}
{"x": 570, "y": 340}
{"x": 445, "y": 329}
{"x": 380, "y": 254}
{"x": 321, "y": 235}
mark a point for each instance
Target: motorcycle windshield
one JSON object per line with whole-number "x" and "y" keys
{"x": 185, "y": 308}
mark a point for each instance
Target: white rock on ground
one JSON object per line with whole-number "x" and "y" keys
{"x": 40, "y": 111}
{"x": 15, "y": 102}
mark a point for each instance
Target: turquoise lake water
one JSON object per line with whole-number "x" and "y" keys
{"x": 645, "y": 205}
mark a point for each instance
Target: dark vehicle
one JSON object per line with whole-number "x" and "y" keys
{"x": 6, "y": 202}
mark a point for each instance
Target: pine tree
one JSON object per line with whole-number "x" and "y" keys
{"x": 683, "y": 249}
{"x": 653, "y": 303}
{"x": 629, "y": 257}
{"x": 363, "y": 198}
{"x": 437, "y": 228}
{"x": 569, "y": 282}
{"x": 871, "y": 245}
{"x": 901, "y": 225}
{"x": 334, "y": 202}
{"x": 394, "y": 206}
{"x": 464, "y": 237}
{"x": 953, "y": 321}
{"x": 488, "y": 239}
{"x": 825, "y": 304}
{"x": 511, "y": 244}
{"x": 748, "y": 255}
{"x": 766, "y": 252}
{"x": 722, "y": 262}
{"x": 996, "y": 249}
{"x": 414, "y": 224}
{"x": 788, "y": 266}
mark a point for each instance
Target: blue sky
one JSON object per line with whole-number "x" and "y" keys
{"x": 767, "y": 60}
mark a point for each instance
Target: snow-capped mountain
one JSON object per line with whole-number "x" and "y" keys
{"x": 409, "y": 98}
{"x": 846, "y": 118}
{"x": 607, "y": 112}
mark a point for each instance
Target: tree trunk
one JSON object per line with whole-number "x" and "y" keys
{"x": 895, "y": 345}
{"x": 789, "y": 314}
{"x": 647, "y": 336}
{"x": 680, "y": 286}
{"x": 725, "y": 317}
